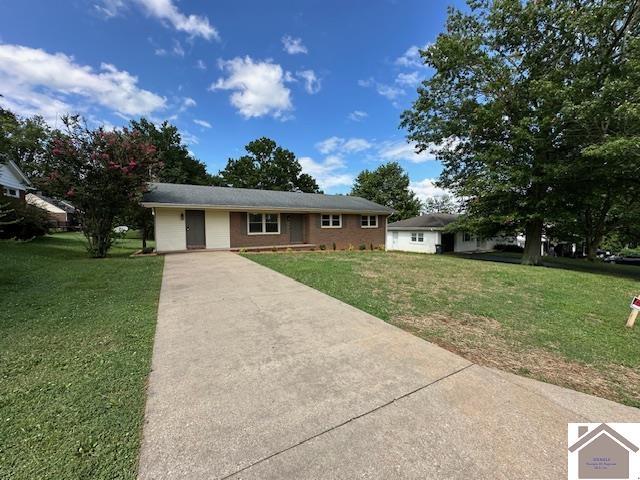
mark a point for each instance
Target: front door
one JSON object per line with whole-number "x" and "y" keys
{"x": 194, "y": 223}
{"x": 296, "y": 225}
{"x": 448, "y": 242}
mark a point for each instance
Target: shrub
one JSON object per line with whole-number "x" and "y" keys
{"x": 508, "y": 248}
{"x": 334, "y": 245}
{"x": 380, "y": 247}
{"x": 22, "y": 221}
{"x": 630, "y": 252}
{"x": 350, "y": 248}
{"x": 362, "y": 246}
{"x": 323, "y": 246}
{"x": 371, "y": 246}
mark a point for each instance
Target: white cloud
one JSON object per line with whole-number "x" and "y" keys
{"x": 389, "y": 91}
{"x": 201, "y": 65}
{"x": 341, "y": 145}
{"x": 161, "y": 52}
{"x": 292, "y": 45}
{"x": 401, "y": 150}
{"x": 258, "y": 87}
{"x": 328, "y": 173}
{"x": 168, "y": 13}
{"x": 409, "y": 79}
{"x": 36, "y": 82}
{"x": 358, "y": 115}
{"x": 311, "y": 82}
{"x": 188, "y": 102}
{"x": 367, "y": 82}
{"x": 427, "y": 189}
{"x": 177, "y": 49}
{"x": 189, "y": 138}
{"x": 411, "y": 57}
{"x": 202, "y": 123}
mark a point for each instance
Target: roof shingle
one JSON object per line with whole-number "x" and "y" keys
{"x": 430, "y": 220}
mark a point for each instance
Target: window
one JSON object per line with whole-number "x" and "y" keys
{"x": 330, "y": 221}
{"x": 11, "y": 192}
{"x": 466, "y": 237}
{"x": 263, "y": 223}
{"x": 417, "y": 237}
{"x": 369, "y": 221}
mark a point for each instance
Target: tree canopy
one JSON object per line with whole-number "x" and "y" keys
{"x": 268, "y": 166}
{"x": 440, "y": 204}
{"x": 534, "y": 108}
{"x": 388, "y": 185}
{"x": 23, "y": 140}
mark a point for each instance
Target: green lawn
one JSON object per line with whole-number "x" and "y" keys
{"x": 563, "y": 325}
{"x": 75, "y": 349}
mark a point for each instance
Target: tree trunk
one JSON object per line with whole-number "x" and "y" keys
{"x": 592, "y": 247}
{"x": 533, "y": 244}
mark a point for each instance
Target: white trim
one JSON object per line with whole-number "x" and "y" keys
{"x": 331, "y": 215}
{"x": 254, "y": 208}
{"x": 7, "y": 192}
{"x": 368, "y": 225}
{"x": 264, "y": 226}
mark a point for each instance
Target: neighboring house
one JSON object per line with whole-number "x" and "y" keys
{"x": 13, "y": 183}
{"x": 423, "y": 233}
{"x": 199, "y": 217}
{"x": 602, "y": 453}
{"x": 61, "y": 213}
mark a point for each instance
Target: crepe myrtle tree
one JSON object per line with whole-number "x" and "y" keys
{"x": 103, "y": 173}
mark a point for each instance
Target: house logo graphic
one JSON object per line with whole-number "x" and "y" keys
{"x": 604, "y": 451}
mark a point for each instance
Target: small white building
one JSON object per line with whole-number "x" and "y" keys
{"x": 422, "y": 234}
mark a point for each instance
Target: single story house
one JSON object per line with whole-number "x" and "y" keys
{"x": 13, "y": 182}
{"x": 423, "y": 233}
{"x": 60, "y": 213}
{"x": 191, "y": 217}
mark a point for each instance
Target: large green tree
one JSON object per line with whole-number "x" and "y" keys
{"x": 268, "y": 166}
{"x": 388, "y": 185}
{"x": 177, "y": 164}
{"x": 24, "y": 140}
{"x": 525, "y": 102}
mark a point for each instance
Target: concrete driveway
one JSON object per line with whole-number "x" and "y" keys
{"x": 256, "y": 376}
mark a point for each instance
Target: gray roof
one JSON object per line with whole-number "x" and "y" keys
{"x": 248, "y": 198}
{"x": 427, "y": 222}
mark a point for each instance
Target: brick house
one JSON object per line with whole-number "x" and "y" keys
{"x": 190, "y": 217}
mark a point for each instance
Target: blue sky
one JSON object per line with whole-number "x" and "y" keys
{"x": 326, "y": 79}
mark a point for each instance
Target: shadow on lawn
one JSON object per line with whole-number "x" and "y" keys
{"x": 597, "y": 267}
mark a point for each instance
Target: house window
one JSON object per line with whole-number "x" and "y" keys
{"x": 263, "y": 223}
{"x": 330, "y": 221}
{"x": 466, "y": 237}
{"x": 417, "y": 237}
{"x": 11, "y": 192}
{"x": 369, "y": 221}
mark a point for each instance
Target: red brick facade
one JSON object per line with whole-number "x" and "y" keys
{"x": 350, "y": 234}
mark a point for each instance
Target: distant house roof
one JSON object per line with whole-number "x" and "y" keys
{"x": 50, "y": 204}
{"x": 430, "y": 221}
{"x": 17, "y": 174}
{"x": 169, "y": 194}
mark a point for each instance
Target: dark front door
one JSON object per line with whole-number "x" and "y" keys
{"x": 296, "y": 224}
{"x": 447, "y": 242}
{"x": 194, "y": 222}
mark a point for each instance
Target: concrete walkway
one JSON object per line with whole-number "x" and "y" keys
{"x": 256, "y": 376}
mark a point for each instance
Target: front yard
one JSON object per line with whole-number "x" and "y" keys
{"x": 560, "y": 325}
{"x": 75, "y": 349}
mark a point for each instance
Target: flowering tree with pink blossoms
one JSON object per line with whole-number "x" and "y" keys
{"x": 103, "y": 173}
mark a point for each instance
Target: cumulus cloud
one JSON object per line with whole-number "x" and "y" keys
{"x": 411, "y": 57}
{"x": 409, "y": 79}
{"x": 311, "y": 82}
{"x": 168, "y": 13}
{"x": 342, "y": 145}
{"x": 427, "y": 189}
{"x": 200, "y": 65}
{"x": 358, "y": 115}
{"x": 258, "y": 87}
{"x": 328, "y": 173}
{"x": 37, "y": 82}
{"x": 202, "y": 123}
{"x": 390, "y": 92}
{"x": 292, "y": 45}
{"x": 398, "y": 150}
{"x": 188, "y": 102}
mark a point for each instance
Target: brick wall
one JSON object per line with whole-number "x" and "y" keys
{"x": 351, "y": 232}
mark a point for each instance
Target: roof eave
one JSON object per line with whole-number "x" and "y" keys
{"x": 262, "y": 208}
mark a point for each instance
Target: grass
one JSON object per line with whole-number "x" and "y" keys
{"x": 563, "y": 325}
{"x": 75, "y": 349}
